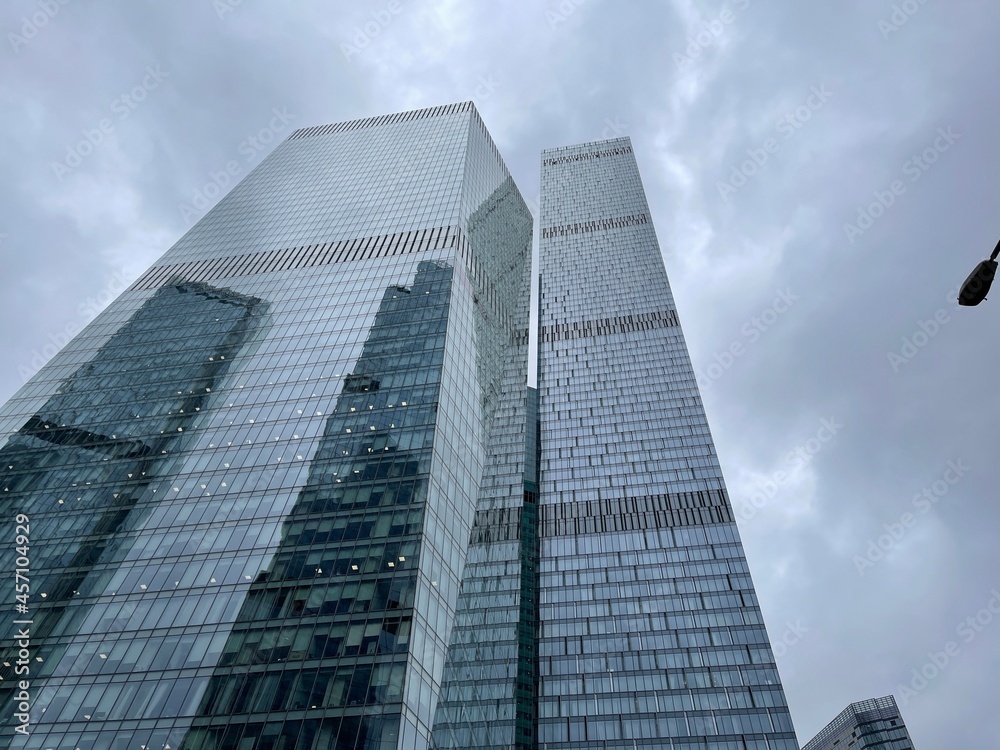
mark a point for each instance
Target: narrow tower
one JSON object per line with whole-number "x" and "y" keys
{"x": 649, "y": 627}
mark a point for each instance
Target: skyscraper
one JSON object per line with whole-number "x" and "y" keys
{"x": 648, "y": 623}
{"x": 290, "y": 490}
{"x": 249, "y": 484}
{"x": 871, "y": 724}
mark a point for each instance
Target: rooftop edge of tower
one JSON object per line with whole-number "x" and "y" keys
{"x": 586, "y": 145}
{"x": 386, "y": 119}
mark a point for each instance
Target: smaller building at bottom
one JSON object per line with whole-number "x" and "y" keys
{"x": 874, "y": 723}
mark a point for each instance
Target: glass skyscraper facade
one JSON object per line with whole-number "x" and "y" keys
{"x": 648, "y": 623}
{"x": 249, "y": 484}
{"x": 290, "y": 490}
{"x": 873, "y": 724}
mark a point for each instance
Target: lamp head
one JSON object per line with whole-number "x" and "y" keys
{"x": 977, "y": 286}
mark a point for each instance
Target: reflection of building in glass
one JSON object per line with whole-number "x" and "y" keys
{"x": 87, "y": 459}
{"x": 869, "y": 724}
{"x": 328, "y": 623}
{"x": 648, "y": 622}
{"x": 86, "y": 470}
{"x": 218, "y": 572}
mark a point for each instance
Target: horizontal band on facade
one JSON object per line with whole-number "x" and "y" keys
{"x": 597, "y": 225}
{"x": 370, "y": 122}
{"x": 605, "y": 326}
{"x": 586, "y": 156}
{"x": 327, "y": 253}
{"x": 304, "y": 256}
{"x": 601, "y": 516}
{"x": 642, "y": 504}
{"x": 660, "y": 519}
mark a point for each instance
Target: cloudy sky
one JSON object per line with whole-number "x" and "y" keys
{"x": 822, "y": 177}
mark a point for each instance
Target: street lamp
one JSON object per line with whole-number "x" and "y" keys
{"x": 977, "y": 286}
